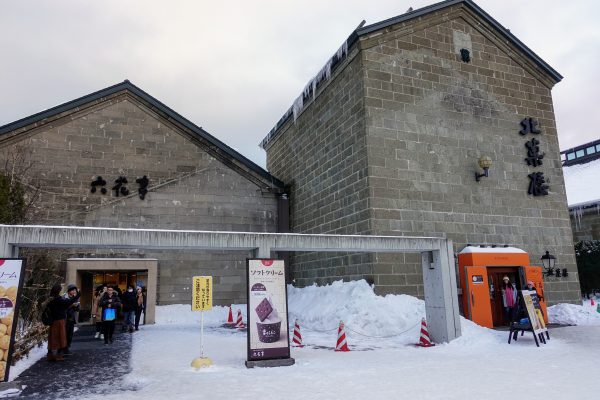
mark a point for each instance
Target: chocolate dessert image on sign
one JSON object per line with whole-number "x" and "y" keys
{"x": 268, "y": 323}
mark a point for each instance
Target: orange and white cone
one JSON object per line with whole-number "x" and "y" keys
{"x": 230, "y": 318}
{"x": 341, "y": 344}
{"x": 240, "y": 321}
{"x": 297, "y": 341}
{"x": 425, "y": 341}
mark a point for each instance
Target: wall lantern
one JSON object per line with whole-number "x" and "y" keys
{"x": 548, "y": 261}
{"x": 485, "y": 163}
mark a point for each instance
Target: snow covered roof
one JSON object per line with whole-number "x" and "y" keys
{"x": 581, "y": 183}
{"x": 478, "y": 249}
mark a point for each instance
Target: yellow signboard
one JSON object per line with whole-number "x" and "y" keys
{"x": 202, "y": 293}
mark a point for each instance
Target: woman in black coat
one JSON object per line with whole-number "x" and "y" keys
{"x": 57, "y": 334}
{"x": 110, "y": 304}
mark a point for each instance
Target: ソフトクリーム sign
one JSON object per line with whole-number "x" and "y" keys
{"x": 267, "y": 310}
{"x": 202, "y": 293}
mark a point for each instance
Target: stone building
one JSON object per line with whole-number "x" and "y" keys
{"x": 581, "y": 168}
{"x": 120, "y": 158}
{"x": 385, "y": 140}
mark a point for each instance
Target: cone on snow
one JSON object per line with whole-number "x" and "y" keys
{"x": 230, "y": 318}
{"x": 341, "y": 344}
{"x": 424, "y": 341}
{"x": 297, "y": 341}
{"x": 592, "y": 303}
{"x": 240, "y": 321}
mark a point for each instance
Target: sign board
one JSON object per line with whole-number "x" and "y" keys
{"x": 202, "y": 293}
{"x": 267, "y": 310}
{"x": 12, "y": 271}
{"x": 534, "y": 311}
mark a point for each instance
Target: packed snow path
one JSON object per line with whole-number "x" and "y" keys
{"x": 93, "y": 368}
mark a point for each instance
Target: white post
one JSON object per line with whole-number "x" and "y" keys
{"x": 201, "y": 334}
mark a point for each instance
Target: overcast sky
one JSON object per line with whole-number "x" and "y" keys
{"x": 235, "y": 67}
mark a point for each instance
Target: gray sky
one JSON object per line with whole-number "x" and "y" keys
{"x": 235, "y": 67}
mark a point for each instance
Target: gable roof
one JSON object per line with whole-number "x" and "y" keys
{"x": 218, "y": 147}
{"x": 337, "y": 58}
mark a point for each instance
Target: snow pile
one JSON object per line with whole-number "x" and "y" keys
{"x": 577, "y": 183}
{"x": 572, "y": 314}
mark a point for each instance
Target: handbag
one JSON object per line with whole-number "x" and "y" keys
{"x": 109, "y": 314}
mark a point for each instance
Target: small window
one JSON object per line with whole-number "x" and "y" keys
{"x": 598, "y": 147}
{"x": 590, "y": 150}
{"x": 570, "y": 156}
{"x": 580, "y": 153}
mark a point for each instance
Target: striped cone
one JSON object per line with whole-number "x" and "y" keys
{"x": 240, "y": 321}
{"x": 592, "y": 303}
{"x": 297, "y": 342}
{"x": 230, "y": 318}
{"x": 341, "y": 344}
{"x": 424, "y": 341}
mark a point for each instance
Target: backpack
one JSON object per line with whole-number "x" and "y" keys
{"x": 47, "y": 315}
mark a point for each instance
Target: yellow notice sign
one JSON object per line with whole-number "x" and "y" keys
{"x": 202, "y": 293}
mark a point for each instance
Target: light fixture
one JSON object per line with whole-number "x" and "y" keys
{"x": 548, "y": 261}
{"x": 485, "y": 163}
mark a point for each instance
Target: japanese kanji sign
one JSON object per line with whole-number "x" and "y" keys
{"x": 267, "y": 310}
{"x": 202, "y": 293}
{"x": 537, "y": 180}
{"x": 11, "y": 285}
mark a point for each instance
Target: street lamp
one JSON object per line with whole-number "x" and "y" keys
{"x": 485, "y": 163}
{"x": 548, "y": 261}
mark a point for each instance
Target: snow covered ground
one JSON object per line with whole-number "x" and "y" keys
{"x": 383, "y": 363}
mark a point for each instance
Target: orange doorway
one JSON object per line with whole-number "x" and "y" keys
{"x": 495, "y": 276}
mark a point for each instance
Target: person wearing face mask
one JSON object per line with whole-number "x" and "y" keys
{"x": 110, "y": 303}
{"x": 509, "y": 298}
{"x": 129, "y": 306}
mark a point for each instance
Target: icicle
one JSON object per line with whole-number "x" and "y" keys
{"x": 298, "y": 106}
{"x": 342, "y": 51}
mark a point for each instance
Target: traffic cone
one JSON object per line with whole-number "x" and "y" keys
{"x": 424, "y": 341}
{"x": 230, "y": 318}
{"x": 341, "y": 344}
{"x": 592, "y": 302}
{"x": 297, "y": 342}
{"x": 240, "y": 322}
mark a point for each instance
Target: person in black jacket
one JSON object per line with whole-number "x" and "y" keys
{"x": 129, "y": 306}
{"x": 110, "y": 304}
{"x": 57, "y": 334}
{"x": 71, "y": 320}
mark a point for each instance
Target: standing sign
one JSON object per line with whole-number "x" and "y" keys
{"x": 267, "y": 310}
{"x": 12, "y": 271}
{"x": 202, "y": 293}
{"x": 535, "y": 313}
{"x": 202, "y": 301}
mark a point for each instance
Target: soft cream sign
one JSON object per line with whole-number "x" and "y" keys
{"x": 11, "y": 283}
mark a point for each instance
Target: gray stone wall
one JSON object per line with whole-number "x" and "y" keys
{"x": 189, "y": 189}
{"x": 322, "y": 157}
{"x": 586, "y": 224}
{"x": 428, "y": 117}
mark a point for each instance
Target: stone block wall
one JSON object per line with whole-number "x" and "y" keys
{"x": 188, "y": 189}
{"x": 586, "y": 224}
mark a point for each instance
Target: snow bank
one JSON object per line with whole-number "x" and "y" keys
{"x": 24, "y": 363}
{"x": 182, "y": 314}
{"x": 572, "y": 314}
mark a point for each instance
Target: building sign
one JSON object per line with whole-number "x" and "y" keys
{"x": 534, "y": 311}
{"x": 202, "y": 293}
{"x": 12, "y": 272}
{"x": 537, "y": 180}
{"x": 120, "y": 186}
{"x": 267, "y": 310}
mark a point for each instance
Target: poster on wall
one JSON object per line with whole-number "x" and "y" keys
{"x": 12, "y": 271}
{"x": 535, "y": 313}
{"x": 267, "y": 310}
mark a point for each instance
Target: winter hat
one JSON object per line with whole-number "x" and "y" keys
{"x": 71, "y": 287}
{"x": 505, "y": 278}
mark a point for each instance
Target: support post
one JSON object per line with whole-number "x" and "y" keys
{"x": 441, "y": 295}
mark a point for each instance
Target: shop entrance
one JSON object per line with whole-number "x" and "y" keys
{"x": 89, "y": 273}
{"x": 495, "y": 276}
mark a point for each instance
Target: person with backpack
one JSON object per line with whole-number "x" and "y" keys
{"x": 56, "y": 311}
{"x": 110, "y": 304}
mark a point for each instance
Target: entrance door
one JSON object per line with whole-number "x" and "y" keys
{"x": 478, "y": 296}
{"x": 495, "y": 276}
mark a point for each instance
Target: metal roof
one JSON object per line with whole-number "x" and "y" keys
{"x": 153, "y": 102}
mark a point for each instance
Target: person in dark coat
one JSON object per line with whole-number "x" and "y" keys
{"x": 140, "y": 298}
{"x": 57, "y": 334}
{"x": 129, "y": 306}
{"x": 110, "y": 304}
{"x": 71, "y": 320}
